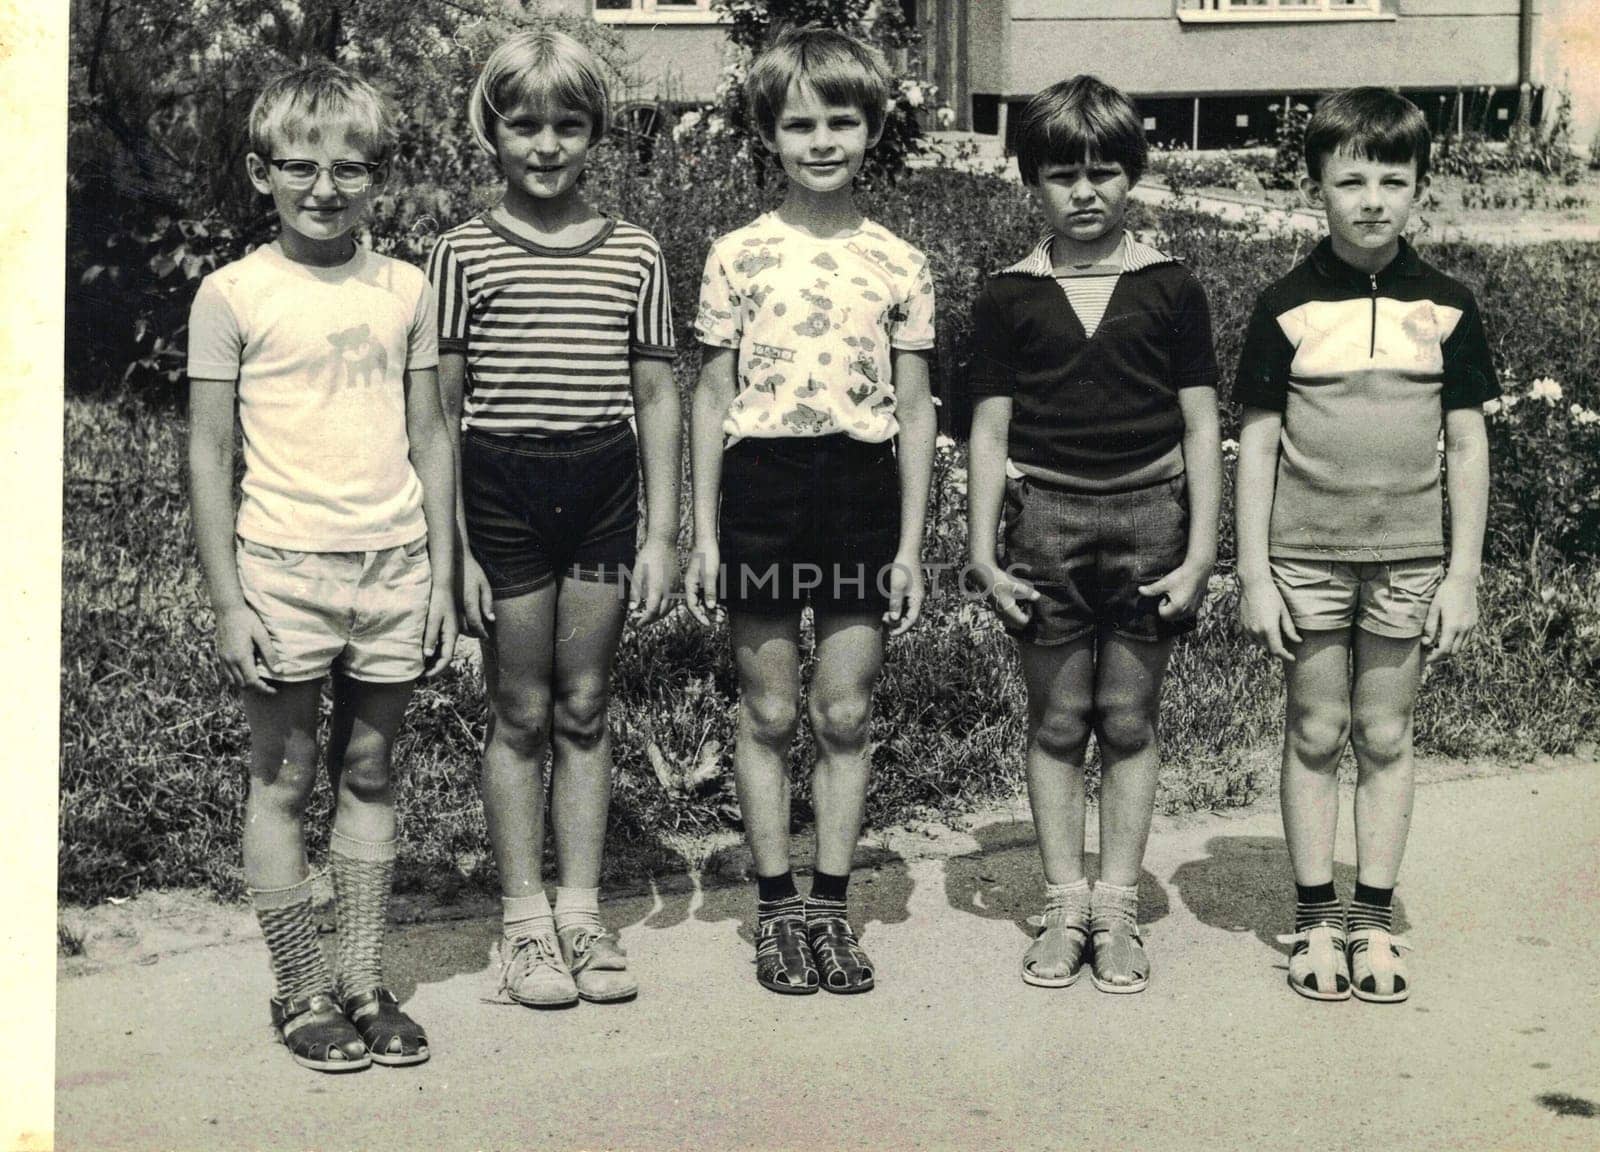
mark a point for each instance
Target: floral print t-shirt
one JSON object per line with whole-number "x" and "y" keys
{"x": 814, "y": 321}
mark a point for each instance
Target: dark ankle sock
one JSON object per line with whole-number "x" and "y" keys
{"x": 1372, "y": 908}
{"x": 826, "y": 886}
{"x": 1316, "y": 904}
{"x": 770, "y": 889}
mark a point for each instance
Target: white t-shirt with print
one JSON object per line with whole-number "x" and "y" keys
{"x": 814, "y": 321}
{"x": 320, "y": 356}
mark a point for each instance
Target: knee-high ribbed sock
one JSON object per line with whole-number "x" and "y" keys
{"x": 363, "y": 876}
{"x": 298, "y": 967}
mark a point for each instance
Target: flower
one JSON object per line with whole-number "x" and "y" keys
{"x": 1230, "y": 447}
{"x": 944, "y": 116}
{"x": 1546, "y": 389}
{"x": 1582, "y": 415}
{"x": 944, "y": 443}
{"x": 1491, "y": 407}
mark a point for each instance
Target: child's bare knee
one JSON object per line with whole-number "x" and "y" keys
{"x": 1124, "y": 729}
{"x": 1380, "y": 739}
{"x": 1062, "y": 733}
{"x": 842, "y": 721}
{"x": 523, "y": 725}
{"x": 769, "y": 718}
{"x": 1318, "y": 733}
{"x": 580, "y": 717}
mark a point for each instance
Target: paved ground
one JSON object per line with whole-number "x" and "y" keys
{"x": 1496, "y": 1049}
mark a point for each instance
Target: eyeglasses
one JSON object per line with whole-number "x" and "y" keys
{"x": 348, "y": 175}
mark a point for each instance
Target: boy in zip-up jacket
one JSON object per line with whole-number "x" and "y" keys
{"x": 1351, "y": 365}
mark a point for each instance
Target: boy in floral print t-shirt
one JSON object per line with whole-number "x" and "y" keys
{"x": 814, "y": 321}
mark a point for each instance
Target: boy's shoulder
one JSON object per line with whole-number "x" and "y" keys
{"x": 1320, "y": 276}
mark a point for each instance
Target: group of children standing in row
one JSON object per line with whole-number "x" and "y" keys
{"x": 466, "y": 447}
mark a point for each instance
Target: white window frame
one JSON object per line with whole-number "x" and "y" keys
{"x": 652, "y": 12}
{"x": 1281, "y": 12}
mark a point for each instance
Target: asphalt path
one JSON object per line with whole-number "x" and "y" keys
{"x": 1495, "y": 1049}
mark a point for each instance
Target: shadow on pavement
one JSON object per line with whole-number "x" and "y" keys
{"x": 880, "y": 893}
{"x": 1003, "y": 881}
{"x": 1245, "y": 884}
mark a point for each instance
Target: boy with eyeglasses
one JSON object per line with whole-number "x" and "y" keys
{"x": 330, "y": 352}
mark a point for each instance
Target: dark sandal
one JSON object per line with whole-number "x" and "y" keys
{"x": 313, "y": 1029}
{"x": 846, "y": 968}
{"x": 784, "y": 963}
{"x": 376, "y": 1015}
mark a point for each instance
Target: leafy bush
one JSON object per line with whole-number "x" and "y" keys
{"x": 1288, "y": 143}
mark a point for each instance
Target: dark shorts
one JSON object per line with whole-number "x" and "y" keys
{"x": 1088, "y": 554}
{"x": 808, "y": 519}
{"x": 541, "y": 505}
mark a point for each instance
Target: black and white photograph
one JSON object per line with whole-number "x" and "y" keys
{"x": 801, "y": 574}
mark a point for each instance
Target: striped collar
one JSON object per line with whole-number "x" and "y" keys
{"x": 1135, "y": 255}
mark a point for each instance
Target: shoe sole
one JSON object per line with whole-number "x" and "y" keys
{"x": 1119, "y": 989}
{"x": 1375, "y": 998}
{"x": 1051, "y": 981}
{"x": 1323, "y": 997}
{"x": 623, "y": 998}
{"x": 545, "y": 1003}
{"x": 849, "y": 989}
{"x": 333, "y": 1066}
{"x": 790, "y": 989}
{"x": 389, "y": 1061}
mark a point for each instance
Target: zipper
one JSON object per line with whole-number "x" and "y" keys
{"x": 1372, "y": 344}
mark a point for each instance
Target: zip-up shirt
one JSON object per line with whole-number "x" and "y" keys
{"x": 1094, "y": 412}
{"x": 1362, "y": 367}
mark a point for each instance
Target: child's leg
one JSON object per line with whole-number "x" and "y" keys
{"x": 1060, "y": 683}
{"x": 1127, "y": 700}
{"x": 589, "y": 617}
{"x": 1316, "y": 727}
{"x": 366, "y": 718}
{"x": 283, "y": 768}
{"x": 849, "y": 660}
{"x": 767, "y": 657}
{"x": 1387, "y": 673}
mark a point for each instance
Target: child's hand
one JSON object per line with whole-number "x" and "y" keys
{"x": 648, "y": 596}
{"x": 1452, "y": 615}
{"x": 700, "y": 581}
{"x": 905, "y": 593}
{"x": 1009, "y": 595}
{"x": 439, "y": 637}
{"x": 475, "y": 598}
{"x": 1180, "y": 591}
{"x": 1265, "y": 620}
{"x": 243, "y": 644}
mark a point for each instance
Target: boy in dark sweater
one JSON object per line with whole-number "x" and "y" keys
{"x": 1095, "y": 426}
{"x": 1351, "y": 365}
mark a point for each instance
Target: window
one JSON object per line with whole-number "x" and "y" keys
{"x": 1262, "y": 11}
{"x": 654, "y": 12}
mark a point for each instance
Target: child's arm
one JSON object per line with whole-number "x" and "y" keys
{"x": 1454, "y": 611}
{"x": 433, "y": 455}
{"x": 1261, "y": 612}
{"x": 713, "y": 393}
{"x": 474, "y": 597}
{"x": 242, "y": 640}
{"x": 919, "y": 427}
{"x": 660, "y": 421}
{"x": 1184, "y": 588}
{"x": 986, "y": 486}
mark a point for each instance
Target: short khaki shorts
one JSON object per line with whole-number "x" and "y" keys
{"x": 360, "y": 613}
{"x": 1384, "y": 597}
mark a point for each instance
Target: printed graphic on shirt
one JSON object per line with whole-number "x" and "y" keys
{"x": 359, "y": 360}
{"x": 815, "y": 322}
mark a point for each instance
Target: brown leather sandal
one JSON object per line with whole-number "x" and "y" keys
{"x": 392, "y": 1038}
{"x": 784, "y": 963}
{"x": 317, "y": 1034}
{"x": 845, "y": 966}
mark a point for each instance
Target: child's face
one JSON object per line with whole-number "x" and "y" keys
{"x": 321, "y": 184}
{"x": 1368, "y": 203}
{"x": 821, "y": 146}
{"x": 542, "y": 148}
{"x": 1083, "y": 201}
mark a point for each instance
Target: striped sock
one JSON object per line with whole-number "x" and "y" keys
{"x": 1371, "y": 908}
{"x": 363, "y": 877}
{"x": 298, "y": 967}
{"x": 1316, "y": 904}
{"x": 526, "y": 916}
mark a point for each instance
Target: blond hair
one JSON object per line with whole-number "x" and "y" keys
{"x": 838, "y": 68}
{"x": 305, "y": 103}
{"x": 544, "y": 67}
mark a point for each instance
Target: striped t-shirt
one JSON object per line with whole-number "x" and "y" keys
{"x": 548, "y": 333}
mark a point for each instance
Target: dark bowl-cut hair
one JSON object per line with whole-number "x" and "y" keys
{"x": 1372, "y": 123}
{"x": 838, "y": 68}
{"x": 1080, "y": 117}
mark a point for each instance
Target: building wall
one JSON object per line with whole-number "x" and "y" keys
{"x": 1142, "y": 47}
{"x": 1569, "y": 59}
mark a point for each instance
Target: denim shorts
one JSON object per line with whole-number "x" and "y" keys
{"x": 361, "y": 614}
{"x": 1385, "y": 597}
{"x": 541, "y": 505}
{"x": 1087, "y": 554}
{"x": 808, "y": 519}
